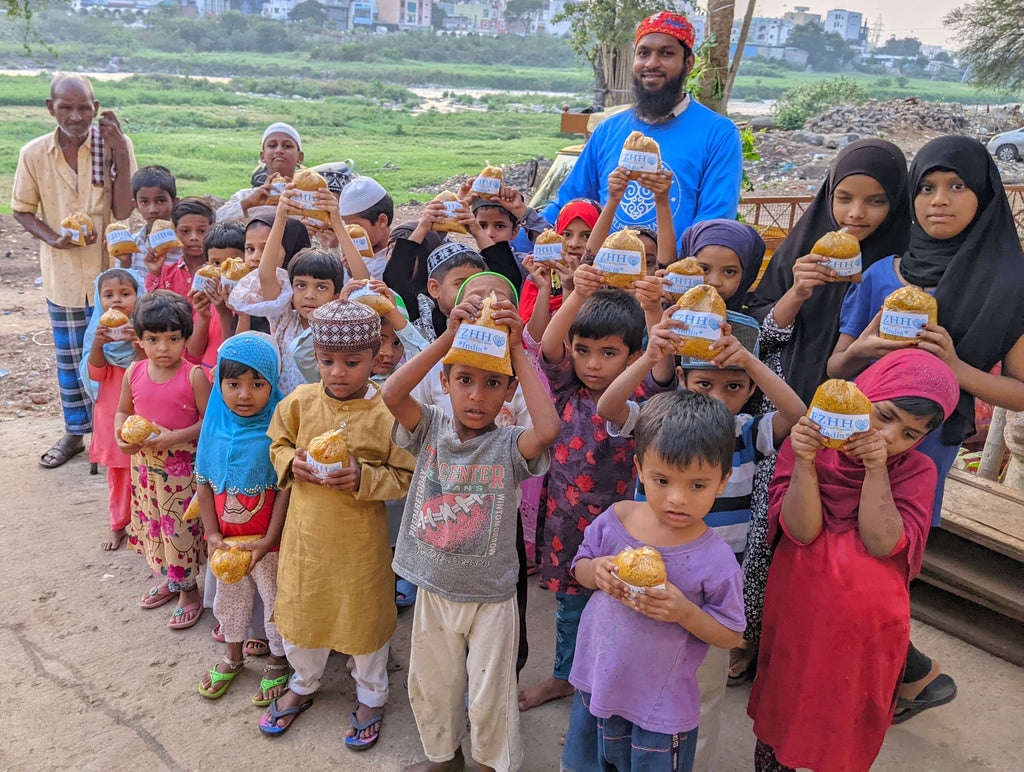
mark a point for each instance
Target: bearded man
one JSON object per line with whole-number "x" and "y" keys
{"x": 700, "y": 148}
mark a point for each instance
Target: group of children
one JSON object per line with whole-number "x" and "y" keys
{"x": 600, "y": 440}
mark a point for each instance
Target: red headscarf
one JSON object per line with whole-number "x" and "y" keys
{"x": 582, "y": 210}
{"x": 674, "y": 24}
{"x": 912, "y": 475}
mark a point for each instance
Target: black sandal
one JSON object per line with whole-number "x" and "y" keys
{"x": 61, "y": 452}
{"x": 938, "y": 692}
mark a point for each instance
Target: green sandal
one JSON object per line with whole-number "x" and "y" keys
{"x": 267, "y": 683}
{"x": 217, "y": 677}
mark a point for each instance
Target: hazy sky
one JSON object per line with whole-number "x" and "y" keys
{"x": 904, "y": 18}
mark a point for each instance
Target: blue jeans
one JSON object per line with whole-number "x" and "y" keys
{"x": 568, "y": 610}
{"x": 616, "y": 745}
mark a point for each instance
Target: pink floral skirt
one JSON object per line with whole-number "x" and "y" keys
{"x": 162, "y": 487}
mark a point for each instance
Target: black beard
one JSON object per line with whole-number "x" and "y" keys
{"x": 654, "y": 105}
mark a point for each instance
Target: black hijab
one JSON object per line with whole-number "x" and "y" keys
{"x": 295, "y": 237}
{"x": 816, "y": 330}
{"x": 978, "y": 275}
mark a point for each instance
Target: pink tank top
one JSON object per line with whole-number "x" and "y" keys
{"x": 171, "y": 405}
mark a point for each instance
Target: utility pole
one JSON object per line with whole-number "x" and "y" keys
{"x": 876, "y": 33}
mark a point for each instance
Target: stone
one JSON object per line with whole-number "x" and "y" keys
{"x": 809, "y": 138}
{"x": 762, "y": 123}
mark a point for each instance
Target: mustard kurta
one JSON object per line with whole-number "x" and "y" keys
{"x": 335, "y": 586}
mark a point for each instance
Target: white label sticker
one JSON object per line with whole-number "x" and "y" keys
{"x": 481, "y": 340}
{"x": 306, "y": 199}
{"x": 637, "y": 161}
{"x": 901, "y": 324}
{"x": 77, "y": 237}
{"x": 619, "y": 261}
{"x": 119, "y": 237}
{"x": 849, "y": 266}
{"x": 489, "y": 185}
{"x": 543, "y": 253}
{"x": 121, "y": 332}
{"x": 161, "y": 237}
{"x": 699, "y": 324}
{"x": 453, "y": 207}
{"x": 363, "y": 292}
{"x": 362, "y": 243}
{"x": 322, "y": 470}
{"x": 837, "y": 426}
{"x": 679, "y": 283}
{"x": 201, "y": 283}
{"x": 277, "y": 188}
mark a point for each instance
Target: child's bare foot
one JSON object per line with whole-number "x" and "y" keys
{"x": 457, "y": 764}
{"x": 113, "y": 540}
{"x": 551, "y": 689}
{"x": 273, "y": 682}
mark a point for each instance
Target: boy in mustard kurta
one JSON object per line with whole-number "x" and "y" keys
{"x": 335, "y": 584}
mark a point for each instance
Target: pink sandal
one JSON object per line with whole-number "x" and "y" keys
{"x": 157, "y": 597}
{"x": 179, "y": 614}
{"x": 218, "y": 636}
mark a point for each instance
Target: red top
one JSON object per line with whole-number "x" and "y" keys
{"x": 242, "y": 515}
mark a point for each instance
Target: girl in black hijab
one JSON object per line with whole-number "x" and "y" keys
{"x": 866, "y": 190}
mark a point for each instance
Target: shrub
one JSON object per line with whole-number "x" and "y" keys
{"x": 795, "y": 106}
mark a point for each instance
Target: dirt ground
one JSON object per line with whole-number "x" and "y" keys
{"x": 99, "y": 684}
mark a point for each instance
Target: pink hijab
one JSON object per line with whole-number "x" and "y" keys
{"x": 912, "y": 475}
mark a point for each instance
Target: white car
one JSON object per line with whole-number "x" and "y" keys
{"x": 1008, "y": 146}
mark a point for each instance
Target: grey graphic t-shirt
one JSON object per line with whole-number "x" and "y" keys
{"x": 458, "y": 536}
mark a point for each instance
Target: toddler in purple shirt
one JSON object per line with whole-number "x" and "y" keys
{"x": 637, "y": 704}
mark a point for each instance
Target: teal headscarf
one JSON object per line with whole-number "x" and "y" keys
{"x": 119, "y": 353}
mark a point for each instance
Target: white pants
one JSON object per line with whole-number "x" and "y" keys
{"x": 712, "y": 678}
{"x": 370, "y": 673}
{"x": 234, "y": 605}
{"x": 456, "y": 643}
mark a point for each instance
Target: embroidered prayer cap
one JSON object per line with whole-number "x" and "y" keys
{"x": 444, "y": 253}
{"x": 674, "y": 24}
{"x": 744, "y": 328}
{"x": 360, "y": 194}
{"x": 281, "y": 128}
{"x": 345, "y": 326}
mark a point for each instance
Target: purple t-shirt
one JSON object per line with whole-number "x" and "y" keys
{"x": 639, "y": 668}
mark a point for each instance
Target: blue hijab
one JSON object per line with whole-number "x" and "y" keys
{"x": 234, "y": 452}
{"x": 119, "y": 353}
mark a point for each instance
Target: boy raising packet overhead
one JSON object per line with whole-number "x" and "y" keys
{"x": 458, "y": 542}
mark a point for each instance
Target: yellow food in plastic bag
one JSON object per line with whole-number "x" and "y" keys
{"x": 641, "y": 567}
{"x": 682, "y": 276}
{"x": 120, "y": 242}
{"x": 548, "y": 247}
{"x": 136, "y": 429}
{"x": 905, "y": 312}
{"x": 452, "y": 204}
{"x": 622, "y": 258}
{"x": 162, "y": 238}
{"x": 380, "y": 303}
{"x": 229, "y": 566}
{"x": 841, "y": 410}
{"x": 844, "y": 250}
{"x": 360, "y": 238}
{"x": 483, "y": 343}
{"x": 488, "y": 183}
{"x": 703, "y": 312}
{"x": 307, "y": 182}
{"x": 640, "y": 154}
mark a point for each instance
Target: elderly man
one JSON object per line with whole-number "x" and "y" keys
{"x": 78, "y": 168}
{"x": 699, "y": 147}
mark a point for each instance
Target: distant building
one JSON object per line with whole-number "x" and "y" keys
{"x": 403, "y": 14}
{"x": 278, "y": 9}
{"x": 550, "y": 11}
{"x": 762, "y": 32}
{"x": 801, "y": 15}
{"x": 847, "y": 24}
{"x": 486, "y": 16}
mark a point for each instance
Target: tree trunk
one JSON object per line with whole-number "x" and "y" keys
{"x": 617, "y": 65}
{"x": 716, "y": 69}
{"x": 735, "y": 67}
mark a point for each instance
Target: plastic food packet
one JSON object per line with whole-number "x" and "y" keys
{"x": 905, "y": 312}
{"x": 206, "y": 278}
{"x": 640, "y": 568}
{"x": 307, "y": 182}
{"x": 79, "y": 226}
{"x": 116, "y": 322}
{"x": 488, "y": 183}
{"x": 548, "y": 247}
{"x": 380, "y": 303}
{"x": 229, "y": 566}
{"x": 482, "y": 343}
{"x": 192, "y": 510}
{"x": 703, "y": 311}
{"x": 120, "y": 242}
{"x": 162, "y": 238}
{"x": 682, "y": 276}
{"x": 622, "y": 258}
{"x": 231, "y": 270}
{"x": 327, "y": 453}
{"x": 277, "y": 183}
{"x": 843, "y": 249}
{"x": 640, "y": 154}
{"x": 841, "y": 410}
{"x": 361, "y": 239}
{"x": 136, "y": 429}
{"x": 452, "y": 205}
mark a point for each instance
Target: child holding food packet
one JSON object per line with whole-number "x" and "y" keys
{"x": 335, "y": 552}
{"x": 158, "y": 420}
{"x": 458, "y": 536}
{"x": 109, "y": 342}
{"x": 240, "y": 505}
{"x": 851, "y": 526}
{"x": 636, "y": 704}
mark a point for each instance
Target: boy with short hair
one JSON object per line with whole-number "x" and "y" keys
{"x": 335, "y": 586}
{"x": 224, "y": 240}
{"x": 363, "y": 201}
{"x": 154, "y": 192}
{"x": 457, "y": 543}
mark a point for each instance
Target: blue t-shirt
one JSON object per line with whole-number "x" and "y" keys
{"x": 864, "y": 300}
{"x": 700, "y": 147}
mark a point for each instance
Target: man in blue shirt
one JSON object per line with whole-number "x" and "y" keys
{"x": 699, "y": 147}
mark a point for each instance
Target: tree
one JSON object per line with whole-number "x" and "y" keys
{"x": 437, "y": 16}
{"x": 715, "y": 67}
{"x": 738, "y": 56}
{"x": 826, "y": 51}
{"x": 310, "y": 10}
{"x": 991, "y": 42}
{"x": 522, "y": 12}
{"x": 901, "y": 47}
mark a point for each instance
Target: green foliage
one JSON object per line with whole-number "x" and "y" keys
{"x": 826, "y": 51}
{"x": 794, "y": 107}
{"x": 989, "y": 32}
{"x": 900, "y": 47}
{"x": 310, "y": 11}
{"x": 750, "y": 155}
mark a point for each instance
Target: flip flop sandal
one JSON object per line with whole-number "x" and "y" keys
{"x": 157, "y": 597}
{"x": 257, "y": 647}
{"x": 179, "y": 614}
{"x": 938, "y": 692}
{"x": 269, "y": 725}
{"x": 217, "y": 677}
{"x": 358, "y": 743}
{"x": 59, "y": 454}
{"x": 266, "y": 684}
{"x": 218, "y": 636}
{"x": 407, "y": 590}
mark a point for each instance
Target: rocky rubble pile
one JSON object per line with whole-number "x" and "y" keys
{"x": 896, "y": 115}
